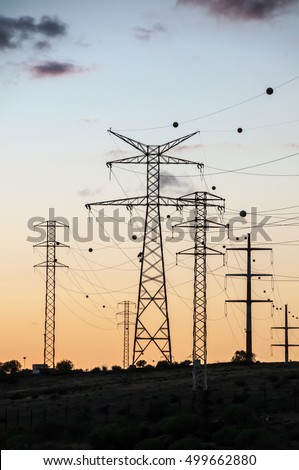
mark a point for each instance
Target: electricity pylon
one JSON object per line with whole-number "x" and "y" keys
{"x": 50, "y": 264}
{"x": 286, "y": 329}
{"x": 201, "y": 201}
{"x": 249, "y": 301}
{"x": 126, "y": 324}
{"x": 152, "y": 320}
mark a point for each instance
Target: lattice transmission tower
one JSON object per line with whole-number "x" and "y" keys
{"x": 126, "y": 324}
{"x": 50, "y": 264}
{"x": 152, "y": 319}
{"x": 200, "y": 224}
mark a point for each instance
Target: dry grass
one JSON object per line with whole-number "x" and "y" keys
{"x": 248, "y": 407}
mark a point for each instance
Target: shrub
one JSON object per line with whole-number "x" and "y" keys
{"x": 180, "y": 425}
{"x": 248, "y": 438}
{"x": 152, "y": 443}
{"x": 187, "y": 443}
{"x": 238, "y": 415}
{"x": 65, "y": 365}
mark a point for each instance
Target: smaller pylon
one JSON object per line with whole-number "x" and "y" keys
{"x": 201, "y": 200}
{"x": 50, "y": 264}
{"x": 126, "y": 324}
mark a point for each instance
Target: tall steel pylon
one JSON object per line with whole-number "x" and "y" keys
{"x": 152, "y": 320}
{"x": 126, "y": 324}
{"x": 201, "y": 201}
{"x": 50, "y": 264}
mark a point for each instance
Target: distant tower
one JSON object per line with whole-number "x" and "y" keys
{"x": 152, "y": 320}
{"x": 50, "y": 264}
{"x": 249, "y": 301}
{"x": 201, "y": 201}
{"x": 286, "y": 329}
{"x": 126, "y": 324}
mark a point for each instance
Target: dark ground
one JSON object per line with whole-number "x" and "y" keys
{"x": 247, "y": 407}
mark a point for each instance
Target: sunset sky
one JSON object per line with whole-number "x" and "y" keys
{"x": 69, "y": 71}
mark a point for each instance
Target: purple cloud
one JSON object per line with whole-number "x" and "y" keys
{"x": 13, "y": 31}
{"x": 54, "y": 69}
{"x": 145, "y": 34}
{"x": 242, "y": 9}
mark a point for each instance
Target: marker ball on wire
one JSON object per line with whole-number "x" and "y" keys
{"x": 213, "y": 187}
{"x": 90, "y": 250}
{"x": 243, "y": 213}
{"x": 269, "y": 91}
{"x": 175, "y": 124}
{"x": 239, "y": 130}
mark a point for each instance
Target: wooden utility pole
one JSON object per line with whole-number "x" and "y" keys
{"x": 249, "y": 299}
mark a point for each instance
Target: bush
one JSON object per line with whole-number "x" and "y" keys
{"x": 153, "y": 443}
{"x": 238, "y": 415}
{"x": 248, "y": 438}
{"x": 65, "y": 365}
{"x": 179, "y": 426}
{"x": 225, "y": 437}
{"x": 187, "y": 443}
{"x": 114, "y": 436}
{"x": 11, "y": 367}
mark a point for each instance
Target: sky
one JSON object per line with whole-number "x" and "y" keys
{"x": 71, "y": 70}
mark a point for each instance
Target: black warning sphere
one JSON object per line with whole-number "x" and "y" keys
{"x": 90, "y": 250}
{"x": 243, "y": 213}
{"x": 269, "y": 91}
{"x": 175, "y": 124}
{"x": 134, "y": 237}
{"x": 213, "y": 187}
{"x": 240, "y": 130}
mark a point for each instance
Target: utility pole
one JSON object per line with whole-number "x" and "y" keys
{"x": 126, "y": 324}
{"x": 200, "y": 251}
{"x": 249, "y": 301}
{"x": 50, "y": 264}
{"x": 286, "y": 329}
{"x": 152, "y": 320}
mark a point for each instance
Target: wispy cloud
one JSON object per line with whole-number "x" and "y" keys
{"x": 116, "y": 153}
{"x": 145, "y": 34}
{"x": 55, "y": 69}
{"x": 188, "y": 148}
{"x": 88, "y": 192}
{"x": 170, "y": 181}
{"x": 90, "y": 120}
{"x": 14, "y": 31}
{"x": 292, "y": 146}
{"x": 242, "y": 9}
{"x": 42, "y": 45}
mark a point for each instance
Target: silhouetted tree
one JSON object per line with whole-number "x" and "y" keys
{"x": 163, "y": 365}
{"x": 141, "y": 363}
{"x": 65, "y": 365}
{"x": 241, "y": 357}
{"x": 11, "y": 367}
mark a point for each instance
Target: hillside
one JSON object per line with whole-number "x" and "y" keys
{"x": 248, "y": 407}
